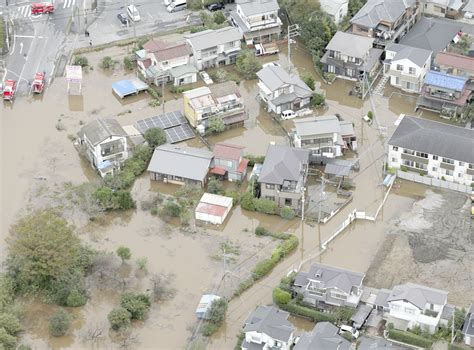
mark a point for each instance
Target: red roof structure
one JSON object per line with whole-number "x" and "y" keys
{"x": 461, "y": 62}
{"x": 211, "y": 209}
{"x": 228, "y": 151}
{"x": 243, "y": 165}
{"x": 165, "y": 51}
{"x": 218, "y": 171}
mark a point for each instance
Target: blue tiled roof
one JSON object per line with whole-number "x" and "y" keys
{"x": 444, "y": 80}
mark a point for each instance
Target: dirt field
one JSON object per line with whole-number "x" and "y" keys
{"x": 431, "y": 244}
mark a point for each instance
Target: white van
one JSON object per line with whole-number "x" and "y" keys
{"x": 177, "y": 5}
{"x": 288, "y": 114}
{"x": 133, "y": 13}
{"x": 348, "y": 329}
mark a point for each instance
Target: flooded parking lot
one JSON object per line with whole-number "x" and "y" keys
{"x": 39, "y": 158}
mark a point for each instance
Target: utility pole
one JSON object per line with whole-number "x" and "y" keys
{"x": 163, "y": 93}
{"x": 302, "y": 221}
{"x": 134, "y": 29}
{"x": 321, "y": 192}
{"x": 293, "y": 32}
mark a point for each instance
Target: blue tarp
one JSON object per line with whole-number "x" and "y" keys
{"x": 105, "y": 164}
{"x": 446, "y": 81}
{"x": 124, "y": 88}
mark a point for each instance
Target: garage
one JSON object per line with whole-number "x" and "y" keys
{"x": 213, "y": 208}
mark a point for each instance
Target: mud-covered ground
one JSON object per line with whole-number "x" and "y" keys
{"x": 432, "y": 243}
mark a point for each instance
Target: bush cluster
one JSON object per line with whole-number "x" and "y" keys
{"x": 310, "y": 313}
{"x": 216, "y": 316}
{"x": 410, "y": 338}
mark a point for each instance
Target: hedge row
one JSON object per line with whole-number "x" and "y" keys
{"x": 264, "y": 267}
{"x": 310, "y": 313}
{"x": 409, "y": 338}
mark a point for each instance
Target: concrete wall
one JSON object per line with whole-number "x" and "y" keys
{"x": 434, "y": 182}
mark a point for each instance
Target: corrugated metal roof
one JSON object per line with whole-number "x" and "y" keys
{"x": 101, "y": 129}
{"x": 446, "y": 81}
{"x": 210, "y": 37}
{"x": 227, "y": 151}
{"x": 215, "y": 199}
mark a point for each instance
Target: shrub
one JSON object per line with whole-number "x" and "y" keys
{"x": 370, "y": 115}
{"x": 170, "y": 210}
{"x": 137, "y": 305}
{"x": 281, "y": 297}
{"x": 409, "y": 338}
{"x": 287, "y": 213}
{"x": 80, "y": 61}
{"x": 75, "y": 299}
{"x": 216, "y": 316}
{"x": 254, "y": 159}
{"x": 108, "y": 199}
{"x": 247, "y": 202}
{"x": 262, "y": 231}
{"x": 265, "y": 206}
{"x": 247, "y": 64}
{"x": 318, "y": 100}
{"x": 219, "y": 76}
{"x": 185, "y": 217}
{"x": 124, "y": 253}
{"x": 310, "y": 313}
{"x": 347, "y": 336}
{"x": 215, "y": 125}
{"x": 59, "y": 323}
{"x": 286, "y": 282}
{"x": 119, "y": 318}
{"x": 308, "y": 80}
{"x": 404, "y": 168}
{"x": 234, "y": 195}
{"x": 215, "y": 186}
{"x": 7, "y": 341}
{"x": 107, "y": 63}
{"x": 155, "y": 137}
{"x": 128, "y": 63}
{"x": 209, "y": 329}
{"x": 218, "y": 17}
{"x": 10, "y": 323}
{"x": 141, "y": 263}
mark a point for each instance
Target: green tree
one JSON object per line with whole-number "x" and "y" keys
{"x": 119, "y": 318}
{"x": 267, "y": 206}
{"x": 7, "y": 341}
{"x": 128, "y": 63}
{"x": 136, "y": 304}
{"x": 318, "y": 100}
{"x": 287, "y": 213}
{"x": 43, "y": 248}
{"x": 281, "y": 297}
{"x": 81, "y": 61}
{"x": 107, "y": 63}
{"x": 59, "y": 323}
{"x": 218, "y": 17}
{"x": 124, "y": 253}
{"x": 155, "y": 137}
{"x": 308, "y": 80}
{"x": 170, "y": 210}
{"x": 215, "y": 125}
{"x": 247, "y": 64}
{"x": 10, "y": 323}
{"x": 215, "y": 186}
{"x": 75, "y": 299}
{"x": 142, "y": 262}
{"x": 247, "y": 201}
{"x": 216, "y": 316}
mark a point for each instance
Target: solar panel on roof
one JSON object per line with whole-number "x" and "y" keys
{"x": 179, "y": 133}
{"x": 164, "y": 121}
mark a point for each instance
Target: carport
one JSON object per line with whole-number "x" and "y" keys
{"x": 128, "y": 87}
{"x": 363, "y": 311}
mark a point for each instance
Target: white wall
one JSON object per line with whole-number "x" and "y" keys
{"x": 409, "y": 312}
{"x": 262, "y": 338}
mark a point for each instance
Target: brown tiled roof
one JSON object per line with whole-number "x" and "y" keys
{"x": 164, "y": 51}
{"x": 456, "y": 61}
{"x": 227, "y": 151}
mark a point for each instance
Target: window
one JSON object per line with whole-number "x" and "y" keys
{"x": 399, "y": 67}
{"x": 459, "y": 174}
{"x": 461, "y": 164}
{"x": 331, "y": 69}
{"x": 449, "y": 172}
{"x": 394, "y": 160}
{"x": 471, "y": 166}
{"x": 397, "y": 81}
{"x": 288, "y": 201}
{"x": 435, "y": 168}
{"x": 409, "y": 310}
{"x": 271, "y": 198}
{"x": 409, "y": 163}
{"x": 270, "y": 186}
{"x": 338, "y": 296}
{"x": 395, "y": 148}
{"x": 448, "y": 161}
{"x": 421, "y": 154}
{"x": 409, "y": 151}
{"x": 435, "y": 157}
{"x": 395, "y": 307}
{"x": 412, "y": 70}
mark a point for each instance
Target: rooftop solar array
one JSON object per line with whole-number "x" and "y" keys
{"x": 174, "y": 124}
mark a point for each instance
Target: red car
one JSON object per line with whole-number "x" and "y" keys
{"x": 43, "y": 7}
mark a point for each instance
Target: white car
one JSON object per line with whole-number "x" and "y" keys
{"x": 206, "y": 78}
{"x": 274, "y": 64}
{"x": 288, "y": 114}
{"x": 133, "y": 13}
{"x": 348, "y": 329}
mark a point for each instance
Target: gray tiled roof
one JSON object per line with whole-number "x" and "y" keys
{"x": 270, "y": 321}
{"x": 283, "y": 163}
{"x": 418, "y": 295}
{"x": 414, "y": 54}
{"x": 317, "y": 125}
{"x": 468, "y": 328}
{"x": 351, "y": 44}
{"x": 323, "y": 336}
{"x": 382, "y": 296}
{"x": 185, "y": 162}
{"x": 256, "y": 7}
{"x": 435, "y": 138}
{"x": 275, "y": 76}
{"x": 375, "y": 11}
{"x": 430, "y": 34}
{"x": 210, "y": 37}
{"x": 368, "y": 343}
{"x": 333, "y": 277}
{"x": 99, "y": 130}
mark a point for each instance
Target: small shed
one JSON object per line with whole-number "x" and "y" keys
{"x": 205, "y": 304}
{"x": 213, "y": 208}
{"x": 128, "y": 87}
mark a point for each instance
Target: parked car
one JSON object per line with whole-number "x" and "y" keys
{"x": 348, "y": 329}
{"x": 122, "y": 17}
{"x": 288, "y": 114}
{"x": 275, "y": 64}
{"x": 133, "y": 13}
{"x": 206, "y": 78}
{"x": 177, "y": 5}
{"x": 215, "y": 7}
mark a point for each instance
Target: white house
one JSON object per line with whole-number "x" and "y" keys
{"x": 213, "y": 208}
{"x": 406, "y": 66}
{"x": 442, "y": 8}
{"x": 268, "y": 328}
{"x": 434, "y": 149}
{"x": 257, "y": 20}
{"x": 325, "y": 136}
{"x": 282, "y": 91}
{"x": 336, "y": 9}
{"x": 211, "y": 48}
{"x": 105, "y": 144}
{"x": 411, "y": 305}
{"x": 169, "y": 61}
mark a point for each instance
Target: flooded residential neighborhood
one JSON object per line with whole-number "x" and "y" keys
{"x": 198, "y": 186}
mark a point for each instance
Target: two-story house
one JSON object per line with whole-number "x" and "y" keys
{"x": 329, "y": 285}
{"x": 283, "y": 175}
{"x": 324, "y": 336}
{"x": 222, "y": 101}
{"x": 406, "y": 66}
{"x": 229, "y": 162}
{"x": 268, "y": 328}
{"x": 411, "y": 305}
{"x": 257, "y": 20}
{"x": 324, "y": 136}
{"x": 105, "y": 144}
{"x": 166, "y": 61}
{"x": 211, "y": 48}
{"x": 351, "y": 56}
{"x": 454, "y": 64}
{"x": 442, "y": 8}
{"x": 385, "y": 20}
{"x": 445, "y": 93}
{"x": 282, "y": 91}
{"x": 336, "y": 9}
{"x": 434, "y": 149}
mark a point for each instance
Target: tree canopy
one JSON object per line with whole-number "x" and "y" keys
{"x": 155, "y": 137}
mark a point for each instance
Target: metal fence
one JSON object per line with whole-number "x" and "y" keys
{"x": 430, "y": 181}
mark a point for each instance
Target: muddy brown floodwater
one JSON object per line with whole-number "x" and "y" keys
{"x": 37, "y": 159}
